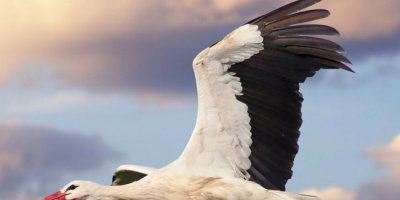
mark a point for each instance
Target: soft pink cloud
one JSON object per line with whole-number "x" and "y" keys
{"x": 333, "y": 193}
{"x": 385, "y": 187}
{"x": 386, "y": 155}
{"x": 83, "y": 42}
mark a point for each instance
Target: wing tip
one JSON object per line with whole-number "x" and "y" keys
{"x": 347, "y": 68}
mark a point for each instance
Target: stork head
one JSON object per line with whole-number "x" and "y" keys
{"x": 76, "y": 190}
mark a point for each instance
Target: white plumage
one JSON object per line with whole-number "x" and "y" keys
{"x": 245, "y": 138}
{"x": 220, "y": 142}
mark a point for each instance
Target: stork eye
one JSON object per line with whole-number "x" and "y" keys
{"x": 71, "y": 187}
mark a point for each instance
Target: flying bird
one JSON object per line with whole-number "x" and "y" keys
{"x": 249, "y": 114}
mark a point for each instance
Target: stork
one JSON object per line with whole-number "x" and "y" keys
{"x": 249, "y": 114}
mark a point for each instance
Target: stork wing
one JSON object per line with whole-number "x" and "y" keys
{"x": 125, "y": 174}
{"x": 248, "y": 91}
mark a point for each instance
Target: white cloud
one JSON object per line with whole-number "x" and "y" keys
{"x": 386, "y": 155}
{"x": 333, "y": 193}
{"x": 385, "y": 187}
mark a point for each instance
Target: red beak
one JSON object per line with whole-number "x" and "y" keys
{"x": 56, "y": 196}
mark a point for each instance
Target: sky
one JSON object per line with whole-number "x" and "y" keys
{"x": 86, "y": 86}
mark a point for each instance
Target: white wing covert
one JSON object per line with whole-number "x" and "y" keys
{"x": 221, "y": 139}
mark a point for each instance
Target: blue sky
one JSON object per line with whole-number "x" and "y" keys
{"x": 118, "y": 76}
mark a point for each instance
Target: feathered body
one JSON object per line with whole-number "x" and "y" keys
{"x": 178, "y": 186}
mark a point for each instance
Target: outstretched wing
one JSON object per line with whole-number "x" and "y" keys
{"x": 248, "y": 91}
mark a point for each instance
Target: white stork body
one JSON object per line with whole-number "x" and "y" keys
{"x": 167, "y": 184}
{"x": 245, "y": 138}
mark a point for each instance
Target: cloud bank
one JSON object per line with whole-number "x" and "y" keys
{"x": 148, "y": 46}
{"x": 32, "y": 157}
